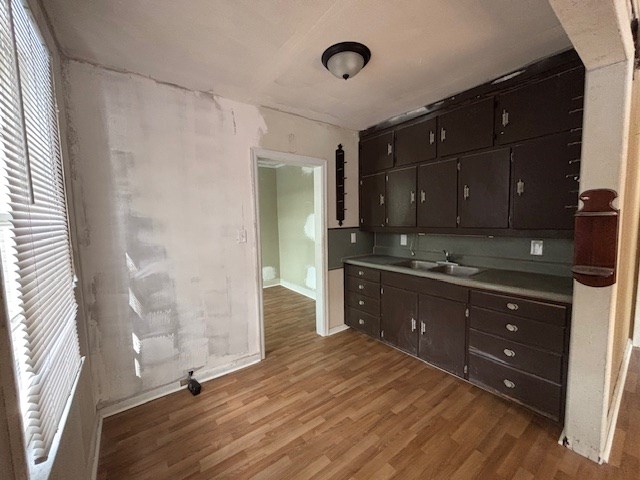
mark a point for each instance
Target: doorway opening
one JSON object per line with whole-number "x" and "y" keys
{"x": 290, "y": 207}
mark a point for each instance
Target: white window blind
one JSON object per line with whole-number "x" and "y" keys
{"x": 36, "y": 255}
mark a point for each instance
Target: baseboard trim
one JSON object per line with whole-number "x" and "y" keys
{"x": 270, "y": 283}
{"x": 617, "y": 400}
{"x": 298, "y": 289}
{"x": 338, "y": 329}
{"x": 202, "y": 376}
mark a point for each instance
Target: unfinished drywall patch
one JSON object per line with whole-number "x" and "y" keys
{"x": 162, "y": 188}
{"x": 161, "y": 174}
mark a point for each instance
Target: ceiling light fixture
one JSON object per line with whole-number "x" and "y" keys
{"x": 346, "y": 59}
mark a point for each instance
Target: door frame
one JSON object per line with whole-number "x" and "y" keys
{"x": 319, "y": 166}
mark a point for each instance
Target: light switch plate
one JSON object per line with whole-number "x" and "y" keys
{"x": 537, "y": 247}
{"x": 353, "y": 237}
{"x": 403, "y": 240}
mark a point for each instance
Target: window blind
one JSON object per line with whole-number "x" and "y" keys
{"x": 37, "y": 248}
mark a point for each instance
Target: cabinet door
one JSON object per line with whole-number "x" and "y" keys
{"x": 466, "y": 128}
{"x": 483, "y": 190}
{"x": 442, "y": 339}
{"x": 438, "y": 194}
{"x": 401, "y": 198}
{"x": 549, "y": 106}
{"x": 372, "y": 200}
{"x": 399, "y": 318}
{"x": 544, "y": 182}
{"x": 376, "y": 153}
{"x": 416, "y": 143}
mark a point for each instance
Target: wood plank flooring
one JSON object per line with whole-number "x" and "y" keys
{"x": 348, "y": 407}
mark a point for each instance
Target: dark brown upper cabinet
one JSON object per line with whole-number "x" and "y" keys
{"x": 399, "y": 318}
{"x": 545, "y": 107}
{"x": 483, "y": 190}
{"x": 443, "y": 329}
{"x": 372, "y": 200}
{"x": 438, "y": 194}
{"x": 416, "y": 143}
{"x": 401, "y": 197}
{"x": 376, "y": 153}
{"x": 544, "y": 182}
{"x": 466, "y": 128}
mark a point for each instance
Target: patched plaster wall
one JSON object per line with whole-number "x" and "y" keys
{"x": 162, "y": 183}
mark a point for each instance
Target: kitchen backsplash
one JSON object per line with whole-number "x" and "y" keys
{"x": 497, "y": 252}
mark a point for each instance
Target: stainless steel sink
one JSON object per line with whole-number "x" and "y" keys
{"x": 455, "y": 270}
{"x": 417, "y": 265}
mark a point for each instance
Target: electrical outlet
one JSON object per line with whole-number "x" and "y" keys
{"x": 403, "y": 240}
{"x": 353, "y": 237}
{"x": 537, "y": 247}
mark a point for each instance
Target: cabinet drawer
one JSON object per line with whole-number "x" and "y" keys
{"x": 518, "y": 329}
{"x": 437, "y": 288}
{"x": 366, "y": 304}
{"x": 363, "y": 287}
{"x": 369, "y": 324}
{"x": 538, "y": 362}
{"x": 544, "y": 312}
{"x": 362, "y": 272}
{"x": 539, "y": 394}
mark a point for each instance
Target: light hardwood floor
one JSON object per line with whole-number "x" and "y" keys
{"x": 347, "y": 407}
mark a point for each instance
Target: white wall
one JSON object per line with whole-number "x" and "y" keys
{"x": 162, "y": 183}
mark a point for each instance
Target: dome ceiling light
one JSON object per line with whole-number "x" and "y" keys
{"x": 346, "y": 59}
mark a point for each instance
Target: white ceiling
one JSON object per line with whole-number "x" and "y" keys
{"x": 267, "y": 52}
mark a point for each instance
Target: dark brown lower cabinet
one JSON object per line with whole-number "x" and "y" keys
{"x": 513, "y": 346}
{"x": 442, "y": 340}
{"x": 399, "y": 318}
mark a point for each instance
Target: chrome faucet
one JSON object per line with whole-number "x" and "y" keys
{"x": 447, "y": 256}
{"x": 411, "y": 250}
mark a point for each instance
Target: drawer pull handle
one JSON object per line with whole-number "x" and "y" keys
{"x": 512, "y": 306}
{"x": 509, "y": 353}
{"x": 509, "y": 383}
{"x": 360, "y": 302}
{"x": 511, "y": 327}
{"x": 360, "y": 287}
{"x": 361, "y": 321}
{"x": 360, "y": 272}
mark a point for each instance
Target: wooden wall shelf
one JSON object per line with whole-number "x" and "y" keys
{"x": 596, "y": 239}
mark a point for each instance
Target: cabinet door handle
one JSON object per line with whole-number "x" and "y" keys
{"x": 413, "y": 325}
{"x": 423, "y": 328}
{"x": 512, "y": 306}
{"x": 381, "y": 199}
{"x": 443, "y": 134}
{"x": 413, "y": 197}
{"x": 360, "y": 302}
{"x": 505, "y": 117}
{"x": 466, "y": 192}
{"x": 432, "y": 137}
{"x": 361, "y": 321}
{"x": 511, "y": 327}
{"x": 509, "y": 383}
{"x": 360, "y": 272}
{"x": 389, "y": 149}
{"x": 509, "y": 353}
{"x": 423, "y": 196}
{"x": 520, "y": 187}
